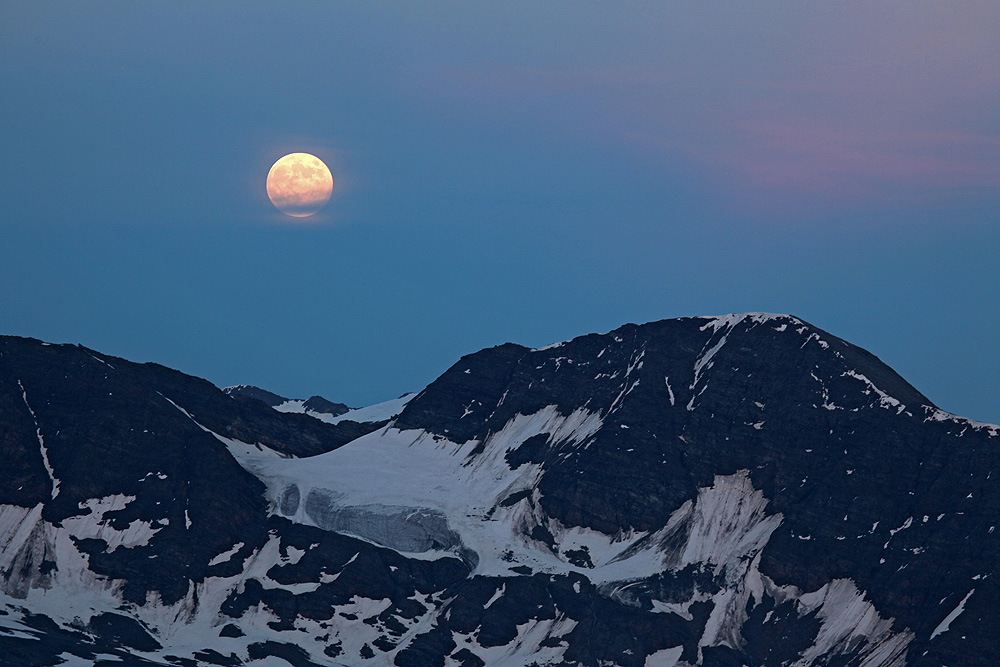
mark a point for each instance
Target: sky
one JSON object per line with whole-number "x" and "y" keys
{"x": 515, "y": 171}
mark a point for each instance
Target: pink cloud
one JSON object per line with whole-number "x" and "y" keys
{"x": 851, "y": 134}
{"x": 819, "y": 156}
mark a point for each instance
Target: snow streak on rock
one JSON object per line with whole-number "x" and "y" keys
{"x": 726, "y": 528}
{"x": 944, "y": 625}
{"x": 884, "y": 399}
{"x": 41, "y": 443}
{"x": 27, "y": 542}
{"x": 728, "y": 522}
{"x": 937, "y": 415}
{"x": 536, "y": 643}
{"x": 725, "y": 325}
{"x": 849, "y": 621}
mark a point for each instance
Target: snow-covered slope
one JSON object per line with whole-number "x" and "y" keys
{"x": 372, "y": 413}
{"x": 322, "y": 409}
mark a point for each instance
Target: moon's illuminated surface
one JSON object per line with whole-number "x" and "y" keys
{"x": 299, "y": 184}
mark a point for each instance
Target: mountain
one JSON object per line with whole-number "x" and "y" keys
{"x": 322, "y": 409}
{"x": 316, "y": 406}
{"x": 737, "y": 490}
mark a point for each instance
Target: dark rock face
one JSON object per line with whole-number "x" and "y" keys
{"x": 123, "y": 630}
{"x": 746, "y": 490}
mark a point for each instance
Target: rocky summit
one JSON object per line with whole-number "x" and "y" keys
{"x": 737, "y": 490}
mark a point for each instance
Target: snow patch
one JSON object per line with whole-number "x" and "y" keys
{"x": 938, "y": 415}
{"x": 944, "y": 625}
{"x": 729, "y": 321}
{"x": 71, "y": 594}
{"x": 819, "y": 341}
{"x": 41, "y": 443}
{"x": 526, "y": 648}
{"x": 373, "y": 413}
{"x": 93, "y": 525}
{"x": 848, "y": 623}
{"x": 295, "y": 405}
{"x": 496, "y": 596}
{"x": 16, "y": 526}
{"x": 704, "y": 360}
{"x": 728, "y": 522}
{"x": 226, "y": 556}
{"x": 725, "y": 324}
{"x": 96, "y": 358}
{"x": 826, "y": 394}
{"x": 635, "y": 363}
{"x": 884, "y": 399}
{"x": 668, "y": 657}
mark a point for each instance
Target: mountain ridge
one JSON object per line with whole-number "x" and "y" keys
{"x": 745, "y": 489}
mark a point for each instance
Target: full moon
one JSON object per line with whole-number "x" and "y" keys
{"x": 299, "y": 184}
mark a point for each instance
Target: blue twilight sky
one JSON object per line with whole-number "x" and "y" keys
{"x": 512, "y": 171}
